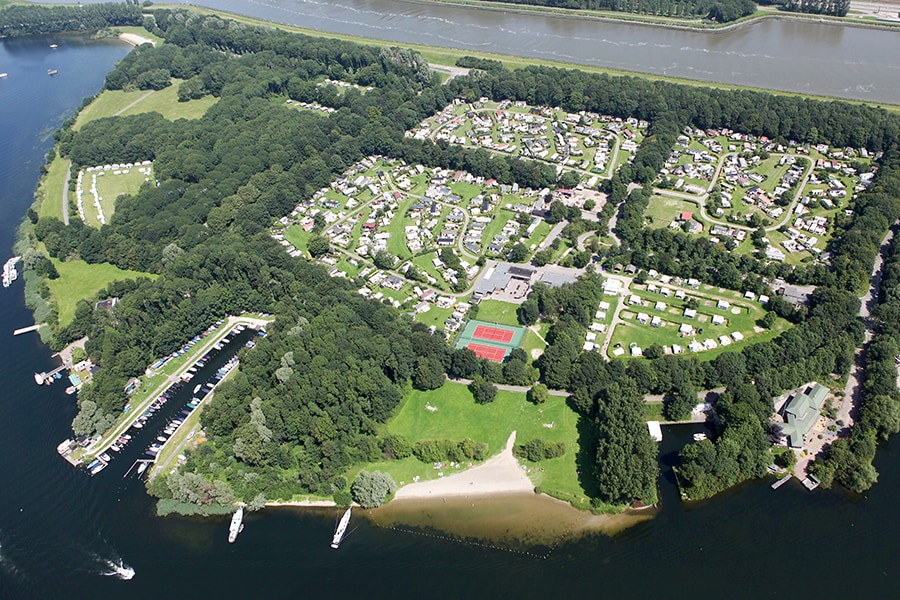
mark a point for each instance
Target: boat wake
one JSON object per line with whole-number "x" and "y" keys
{"x": 118, "y": 569}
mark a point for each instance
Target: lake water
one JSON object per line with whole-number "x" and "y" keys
{"x": 58, "y": 526}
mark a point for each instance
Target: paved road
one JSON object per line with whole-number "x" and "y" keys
{"x": 620, "y": 304}
{"x": 853, "y": 391}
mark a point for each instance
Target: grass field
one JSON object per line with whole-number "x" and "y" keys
{"x": 630, "y": 331}
{"x": 495, "y": 311}
{"x": 456, "y": 416}
{"x": 165, "y": 102}
{"x": 662, "y": 210}
{"x": 109, "y": 186}
{"x": 80, "y": 281}
{"x": 51, "y": 189}
{"x": 532, "y": 344}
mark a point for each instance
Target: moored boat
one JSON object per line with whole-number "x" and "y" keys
{"x": 237, "y": 524}
{"x": 341, "y": 530}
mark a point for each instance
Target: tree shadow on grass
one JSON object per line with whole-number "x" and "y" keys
{"x": 587, "y": 457}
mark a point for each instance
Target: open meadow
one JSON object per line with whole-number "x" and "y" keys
{"x": 450, "y": 412}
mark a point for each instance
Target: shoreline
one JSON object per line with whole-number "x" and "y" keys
{"x": 499, "y": 475}
{"x": 663, "y": 22}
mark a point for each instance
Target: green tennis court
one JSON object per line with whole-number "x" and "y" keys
{"x": 490, "y": 340}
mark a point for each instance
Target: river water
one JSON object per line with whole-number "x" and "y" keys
{"x": 780, "y": 54}
{"x": 58, "y": 526}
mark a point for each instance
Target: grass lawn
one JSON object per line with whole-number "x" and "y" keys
{"x": 532, "y": 344}
{"x": 653, "y": 411}
{"x": 495, "y": 311}
{"x": 296, "y": 235}
{"x": 630, "y": 331}
{"x": 423, "y": 263}
{"x": 109, "y": 186}
{"x": 51, "y": 189}
{"x": 435, "y": 316}
{"x": 80, "y": 281}
{"x": 396, "y": 244}
{"x": 457, "y": 417}
{"x": 662, "y": 210}
{"x": 114, "y": 102}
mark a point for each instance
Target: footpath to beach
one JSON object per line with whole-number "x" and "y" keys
{"x": 500, "y": 474}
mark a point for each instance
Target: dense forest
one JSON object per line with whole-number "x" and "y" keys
{"x": 29, "y": 19}
{"x": 287, "y": 424}
{"x": 848, "y": 461}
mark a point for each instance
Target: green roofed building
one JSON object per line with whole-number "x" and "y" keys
{"x": 800, "y": 413}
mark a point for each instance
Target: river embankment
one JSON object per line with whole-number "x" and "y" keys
{"x": 684, "y": 24}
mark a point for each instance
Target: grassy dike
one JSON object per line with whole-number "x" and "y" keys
{"x": 438, "y": 56}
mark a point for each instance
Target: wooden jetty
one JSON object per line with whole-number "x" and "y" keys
{"x": 48, "y": 378}
{"x": 780, "y": 482}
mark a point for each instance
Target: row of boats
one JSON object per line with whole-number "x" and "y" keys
{"x": 237, "y": 526}
{"x": 10, "y": 273}
{"x": 200, "y": 391}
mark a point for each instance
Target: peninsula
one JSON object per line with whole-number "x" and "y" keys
{"x": 577, "y": 253}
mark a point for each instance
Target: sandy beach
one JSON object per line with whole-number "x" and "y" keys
{"x": 305, "y": 503}
{"x": 501, "y": 474}
{"x": 134, "y": 39}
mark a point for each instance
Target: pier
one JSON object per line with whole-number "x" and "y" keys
{"x": 48, "y": 378}
{"x": 28, "y": 329}
{"x": 782, "y": 481}
{"x": 810, "y": 482}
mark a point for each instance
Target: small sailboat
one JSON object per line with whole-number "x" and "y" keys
{"x": 52, "y": 71}
{"x": 341, "y": 530}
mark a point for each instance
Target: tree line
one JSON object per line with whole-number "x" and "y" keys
{"x": 722, "y": 11}
{"x": 848, "y": 461}
{"x": 31, "y": 19}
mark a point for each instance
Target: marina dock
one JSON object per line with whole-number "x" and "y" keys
{"x": 48, "y": 378}
{"x": 810, "y": 482}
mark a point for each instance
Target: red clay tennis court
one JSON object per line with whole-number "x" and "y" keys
{"x": 492, "y": 353}
{"x": 493, "y": 334}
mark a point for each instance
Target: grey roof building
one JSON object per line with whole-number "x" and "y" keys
{"x": 800, "y": 414}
